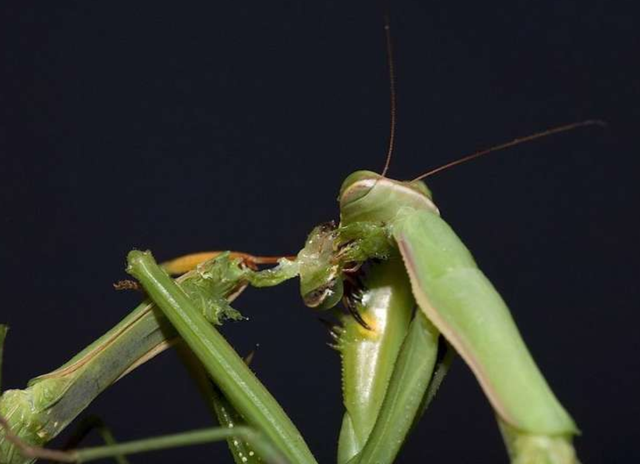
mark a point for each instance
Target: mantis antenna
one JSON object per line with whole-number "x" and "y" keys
{"x": 514, "y": 142}
{"x": 392, "y": 86}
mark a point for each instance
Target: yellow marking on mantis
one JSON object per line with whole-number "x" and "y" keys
{"x": 374, "y": 328}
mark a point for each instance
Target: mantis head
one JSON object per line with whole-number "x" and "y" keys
{"x": 367, "y": 196}
{"x": 320, "y": 272}
{"x": 368, "y": 203}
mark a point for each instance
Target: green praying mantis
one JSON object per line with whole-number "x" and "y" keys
{"x": 394, "y": 356}
{"x": 414, "y": 298}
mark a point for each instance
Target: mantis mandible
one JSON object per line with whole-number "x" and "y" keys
{"x": 390, "y": 253}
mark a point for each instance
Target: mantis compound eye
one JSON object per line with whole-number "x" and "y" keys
{"x": 422, "y": 188}
{"x": 325, "y": 297}
{"x": 357, "y": 186}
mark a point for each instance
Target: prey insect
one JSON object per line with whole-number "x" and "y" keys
{"x": 415, "y": 297}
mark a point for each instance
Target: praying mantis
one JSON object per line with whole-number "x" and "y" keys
{"x": 390, "y": 352}
{"x": 392, "y": 242}
{"x": 389, "y": 364}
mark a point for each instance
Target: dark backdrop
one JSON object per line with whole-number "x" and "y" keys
{"x": 213, "y": 125}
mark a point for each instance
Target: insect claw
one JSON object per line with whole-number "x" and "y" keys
{"x": 358, "y": 317}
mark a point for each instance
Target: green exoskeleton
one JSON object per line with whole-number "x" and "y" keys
{"x": 417, "y": 258}
{"x": 40, "y": 412}
{"x": 414, "y": 297}
{"x": 390, "y": 253}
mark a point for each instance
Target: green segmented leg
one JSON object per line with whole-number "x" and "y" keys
{"x": 195, "y": 437}
{"x": 369, "y": 354}
{"x": 226, "y": 368}
{"x": 463, "y": 305}
{"x": 40, "y": 412}
{"x": 405, "y": 395}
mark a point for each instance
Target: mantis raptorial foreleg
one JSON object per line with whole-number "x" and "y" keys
{"x": 388, "y": 352}
{"x": 386, "y": 223}
{"x": 463, "y": 305}
{"x": 385, "y": 305}
{"x": 412, "y": 373}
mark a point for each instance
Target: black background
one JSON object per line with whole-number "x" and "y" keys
{"x": 214, "y": 125}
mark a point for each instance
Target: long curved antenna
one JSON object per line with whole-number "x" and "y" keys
{"x": 514, "y": 142}
{"x": 392, "y": 85}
